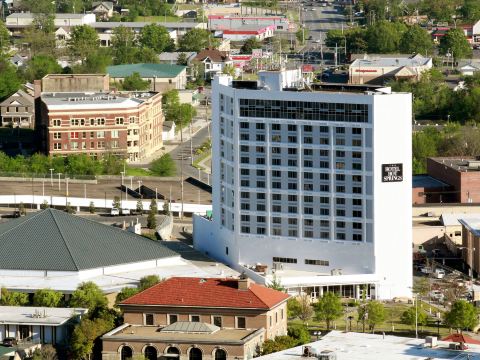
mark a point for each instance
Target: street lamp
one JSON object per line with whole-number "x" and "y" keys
{"x": 123, "y": 174}
{"x": 51, "y": 176}
{"x": 66, "y": 183}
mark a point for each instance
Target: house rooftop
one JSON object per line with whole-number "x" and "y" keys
{"x": 146, "y": 70}
{"x": 53, "y": 240}
{"x": 141, "y": 24}
{"x": 465, "y": 164}
{"x": 391, "y": 62}
{"x": 362, "y": 346}
{"x": 213, "y": 292}
{"x": 36, "y": 315}
{"x": 152, "y": 334}
{"x": 27, "y": 15}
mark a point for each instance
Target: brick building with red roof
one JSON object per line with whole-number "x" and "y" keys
{"x": 194, "y": 318}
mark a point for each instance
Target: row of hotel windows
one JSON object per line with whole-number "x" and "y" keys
{"x": 339, "y": 165}
{"x": 276, "y": 150}
{"x": 295, "y": 175}
{"x": 278, "y": 185}
{"x": 74, "y": 145}
{"x": 76, "y": 135}
{"x": 307, "y": 261}
{"x": 323, "y": 211}
{"x": 294, "y": 128}
{"x": 306, "y": 222}
{"x": 339, "y": 141}
{"x": 94, "y": 121}
{"x": 309, "y": 234}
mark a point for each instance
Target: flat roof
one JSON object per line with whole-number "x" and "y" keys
{"x": 390, "y": 62}
{"x": 57, "y": 16}
{"x": 426, "y": 181}
{"x": 452, "y": 219}
{"x": 146, "y": 70}
{"x": 36, "y": 315}
{"x": 363, "y": 346}
{"x": 152, "y": 333}
{"x": 138, "y": 24}
{"x": 90, "y": 100}
{"x": 464, "y": 164}
{"x": 472, "y": 224}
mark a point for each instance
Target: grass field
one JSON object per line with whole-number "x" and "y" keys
{"x": 392, "y": 324}
{"x": 134, "y": 171}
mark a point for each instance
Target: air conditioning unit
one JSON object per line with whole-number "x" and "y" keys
{"x": 277, "y": 266}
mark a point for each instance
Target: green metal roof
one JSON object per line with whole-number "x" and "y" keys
{"x": 145, "y": 70}
{"x": 56, "y": 241}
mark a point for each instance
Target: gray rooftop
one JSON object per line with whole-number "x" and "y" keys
{"x": 141, "y": 24}
{"x": 57, "y": 16}
{"x": 56, "y": 241}
{"x": 373, "y": 61}
{"x": 191, "y": 327}
{"x": 426, "y": 181}
{"x": 36, "y": 315}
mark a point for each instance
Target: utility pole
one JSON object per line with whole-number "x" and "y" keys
{"x": 181, "y": 171}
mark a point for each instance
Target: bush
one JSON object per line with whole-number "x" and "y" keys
{"x": 163, "y": 166}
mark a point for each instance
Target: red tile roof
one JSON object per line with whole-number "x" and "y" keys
{"x": 461, "y": 338}
{"x": 198, "y": 292}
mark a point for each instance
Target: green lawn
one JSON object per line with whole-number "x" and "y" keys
{"x": 134, "y": 171}
{"x": 160, "y": 19}
{"x": 391, "y": 325}
{"x": 188, "y": 7}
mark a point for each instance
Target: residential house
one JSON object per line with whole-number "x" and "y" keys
{"x": 103, "y": 9}
{"x": 214, "y": 61}
{"x": 196, "y": 318}
{"x": 18, "y": 111}
{"x": 38, "y": 325}
{"x": 172, "y": 57}
{"x": 468, "y": 67}
{"x": 162, "y": 77}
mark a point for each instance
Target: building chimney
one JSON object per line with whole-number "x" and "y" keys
{"x": 244, "y": 282}
{"x": 37, "y": 88}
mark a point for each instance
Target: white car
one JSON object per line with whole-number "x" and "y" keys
{"x": 125, "y": 211}
{"x": 115, "y": 212}
{"x": 317, "y": 41}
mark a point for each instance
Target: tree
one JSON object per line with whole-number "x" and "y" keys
{"x": 124, "y": 45}
{"x": 13, "y": 298}
{"x": 384, "y": 37}
{"x": 83, "y": 41}
{"x": 156, "y": 37}
{"x": 47, "y": 298}
{"x": 372, "y": 313}
{"x": 41, "y": 65}
{"x": 415, "y": 40}
{"x": 44, "y": 205}
{"x": 46, "y": 352}
{"x": 22, "y": 209}
{"x": 88, "y": 295}
{"x": 163, "y": 166}
{"x": 249, "y": 45}
{"x": 276, "y": 284}
{"x": 462, "y": 315}
{"x": 85, "y": 334}
{"x": 166, "y": 207}
{"x": 280, "y": 343}
{"x": 139, "y": 207}
{"x": 184, "y": 115}
{"x": 421, "y": 286}
{"x": 197, "y": 40}
{"x": 9, "y": 81}
{"x": 299, "y": 333}
{"x": 455, "y": 43}
{"x": 69, "y": 208}
{"x": 148, "y": 281}
{"x": 411, "y": 315}
{"x": 328, "y": 308}
{"x": 170, "y": 104}
{"x": 151, "y": 220}
{"x": 228, "y": 70}
{"x": 4, "y": 39}
{"x": 293, "y": 308}
{"x": 182, "y": 59}
{"x": 91, "y": 208}
{"x": 154, "y": 206}
{"x": 470, "y": 10}
{"x": 135, "y": 82}
{"x": 302, "y": 35}
{"x": 124, "y": 294}
{"x": 116, "y": 202}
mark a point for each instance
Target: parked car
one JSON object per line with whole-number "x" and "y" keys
{"x": 9, "y": 342}
{"x": 115, "y": 212}
{"x": 439, "y": 273}
{"x": 125, "y": 211}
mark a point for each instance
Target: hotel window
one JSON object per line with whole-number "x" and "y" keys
{"x": 114, "y": 134}
{"x": 100, "y": 121}
{"x": 357, "y": 202}
{"x": 74, "y": 145}
{"x": 172, "y": 319}
{"x": 241, "y": 322}
{"x": 356, "y": 142}
{"x": 308, "y": 233}
{"x": 74, "y": 135}
{"x": 357, "y": 166}
{"x": 114, "y": 144}
{"x": 217, "y": 321}
{"x": 57, "y": 146}
{"x": 57, "y": 122}
{"x": 356, "y": 155}
{"x": 285, "y": 260}
{"x": 195, "y": 318}
{"x": 340, "y": 236}
{"x": 57, "y": 135}
{"x": 119, "y": 120}
{"x": 357, "y": 131}
{"x": 100, "y": 134}
{"x": 149, "y": 319}
{"x": 74, "y": 122}
{"x": 357, "y": 237}
{"x": 92, "y": 122}
{"x": 317, "y": 262}
{"x": 101, "y": 145}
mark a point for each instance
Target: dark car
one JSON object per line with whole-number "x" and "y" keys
{"x": 9, "y": 341}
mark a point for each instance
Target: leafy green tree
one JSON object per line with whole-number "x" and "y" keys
{"x": 328, "y": 308}
{"x": 421, "y": 286}
{"x": 455, "y": 43}
{"x": 44, "y": 205}
{"x": 182, "y": 59}
{"x": 249, "y": 45}
{"x": 299, "y": 333}
{"x": 462, "y": 315}
{"x": 135, "y": 82}
{"x": 166, "y": 207}
{"x": 124, "y": 294}
{"x": 384, "y": 37}
{"x": 9, "y": 80}
{"x": 151, "y": 220}
{"x": 280, "y": 343}
{"x": 197, "y": 40}
{"x": 184, "y": 115}
{"x": 47, "y": 298}
{"x": 163, "y": 166}
{"x": 91, "y": 208}
{"x": 139, "y": 207}
{"x": 116, "y": 202}
{"x": 41, "y": 65}
{"x": 373, "y": 313}
{"x": 85, "y": 334}
{"x": 83, "y": 41}
{"x": 154, "y": 206}
{"x": 424, "y": 145}
{"x": 46, "y": 352}
{"x": 170, "y": 104}
{"x": 276, "y": 284}
{"x": 293, "y": 308}
{"x": 4, "y": 39}
{"x": 124, "y": 46}
{"x": 416, "y": 40}
{"x": 302, "y": 35}
{"x": 470, "y": 10}
{"x": 69, "y": 208}
{"x": 13, "y": 298}
{"x": 41, "y": 43}
{"x": 411, "y": 315}
{"x": 440, "y": 10}
{"x": 148, "y": 281}
{"x": 228, "y": 70}
{"x": 156, "y": 37}
{"x": 22, "y": 209}
{"x": 88, "y": 295}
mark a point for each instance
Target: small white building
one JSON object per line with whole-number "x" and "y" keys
{"x": 168, "y": 132}
{"x": 23, "y": 20}
{"x": 214, "y": 61}
{"x": 223, "y": 22}
{"x": 37, "y": 324}
{"x": 245, "y": 32}
{"x": 469, "y": 67}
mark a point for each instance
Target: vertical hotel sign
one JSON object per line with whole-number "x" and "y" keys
{"x": 392, "y": 172}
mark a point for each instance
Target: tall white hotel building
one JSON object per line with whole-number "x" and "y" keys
{"x": 313, "y": 184}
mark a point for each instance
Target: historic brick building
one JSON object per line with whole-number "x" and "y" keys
{"x": 95, "y": 123}
{"x": 195, "y": 319}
